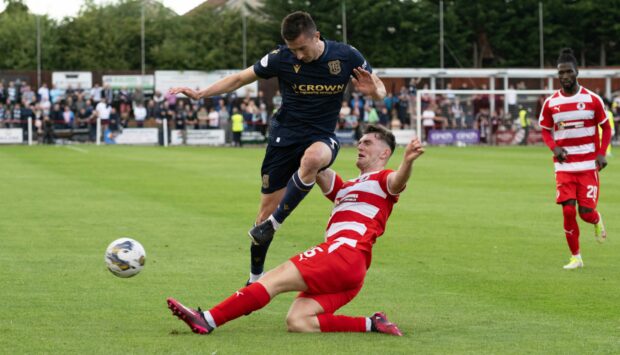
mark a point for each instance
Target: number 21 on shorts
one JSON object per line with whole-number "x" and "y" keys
{"x": 592, "y": 191}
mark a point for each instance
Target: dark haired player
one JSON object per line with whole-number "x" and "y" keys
{"x": 330, "y": 274}
{"x": 570, "y": 118}
{"x": 313, "y": 74}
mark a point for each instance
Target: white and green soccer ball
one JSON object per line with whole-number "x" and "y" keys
{"x": 125, "y": 257}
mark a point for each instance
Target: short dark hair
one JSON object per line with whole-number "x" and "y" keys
{"x": 297, "y": 23}
{"x": 567, "y": 56}
{"x": 383, "y": 134}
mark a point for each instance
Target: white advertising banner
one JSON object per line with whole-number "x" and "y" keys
{"x": 129, "y": 81}
{"x": 166, "y": 79}
{"x": 11, "y": 136}
{"x": 403, "y": 136}
{"x": 198, "y": 137}
{"x": 138, "y": 136}
{"x": 82, "y": 79}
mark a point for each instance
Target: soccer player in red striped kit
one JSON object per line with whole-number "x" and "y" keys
{"x": 330, "y": 274}
{"x": 570, "y": 118}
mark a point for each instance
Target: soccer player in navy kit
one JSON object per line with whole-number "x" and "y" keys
{"x": 313, "y": 74}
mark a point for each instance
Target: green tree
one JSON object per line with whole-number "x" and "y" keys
{"x": 18, "y": 30}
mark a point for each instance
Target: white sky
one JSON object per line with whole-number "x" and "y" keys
{"x": 61, "y": 8}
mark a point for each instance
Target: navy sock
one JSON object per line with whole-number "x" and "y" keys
{"x": 258, "y": 254}
{"x": 296, "y": 190}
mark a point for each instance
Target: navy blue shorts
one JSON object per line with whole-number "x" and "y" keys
{"x": 280, "y": 162}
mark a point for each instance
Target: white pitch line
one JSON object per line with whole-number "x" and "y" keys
{"x": 83, "y": 151}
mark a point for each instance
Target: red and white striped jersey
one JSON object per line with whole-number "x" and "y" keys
{"x": 361, "y": 208}
{"x": 574, "y": 121}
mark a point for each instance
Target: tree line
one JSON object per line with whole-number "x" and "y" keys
{"x": 390, "y": 33}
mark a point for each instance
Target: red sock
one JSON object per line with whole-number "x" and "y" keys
{"x": 242, "y": 302}
{"x": 332, "y": 323}
{"x": 590, "y": 217}
{"x": 571, "y": 228}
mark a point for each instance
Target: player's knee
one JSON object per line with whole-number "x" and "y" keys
{"x": 569, "y": 211}
{"x": 296, "y": 323}
{"x": 584, "y": 210}
{"x": 312, "y": 161}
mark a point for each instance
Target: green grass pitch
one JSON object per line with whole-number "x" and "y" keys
{"x": 471, "y": 261}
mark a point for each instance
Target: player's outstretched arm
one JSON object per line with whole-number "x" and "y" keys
{"x": 398, "y": 179}
{"x": 368, "y": 83}
{"x": 222, "y": 86}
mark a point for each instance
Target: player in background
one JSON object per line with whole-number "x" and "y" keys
{"x": 312, "y": 74}
{"x": 610, "y": 116}
{"x": 331, "y": 274}
{"x": 569, "y": 119}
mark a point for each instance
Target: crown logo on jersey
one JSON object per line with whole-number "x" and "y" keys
{"x": 334, "y": 67}
{"x": 296, "y": 67}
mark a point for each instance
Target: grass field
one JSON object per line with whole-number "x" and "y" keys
{"x": 471, "y": 261}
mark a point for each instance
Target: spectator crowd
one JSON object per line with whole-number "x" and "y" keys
{"x": 58, "y": 113}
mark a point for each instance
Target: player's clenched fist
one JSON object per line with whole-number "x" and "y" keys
{"x": 413, "y": 150}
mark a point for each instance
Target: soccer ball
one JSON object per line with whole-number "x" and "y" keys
{"x": 125, "y": 257}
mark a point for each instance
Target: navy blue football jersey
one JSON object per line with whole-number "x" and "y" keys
{"x": 312, "y": 92}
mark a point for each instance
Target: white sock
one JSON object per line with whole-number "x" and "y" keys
{"x": 368, "y": 324}
{"x": 254, "y": 277}
{"x": 275, "y": 223}
{"x": 578, "y": 256}
{"x": 209, "y": 319}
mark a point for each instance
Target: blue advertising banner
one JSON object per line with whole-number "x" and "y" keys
{"x": 453, "y": 136}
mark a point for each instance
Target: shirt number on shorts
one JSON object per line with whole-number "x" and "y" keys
{"x": 309, "y": 253}
{"x": 592, "y": 190}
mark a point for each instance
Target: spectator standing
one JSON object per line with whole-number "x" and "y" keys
{"x": 16, "y": 116}
{"x": 3, "y": 115}
{"x": 56, "y": 95}
{"x": 384, "y": 117}
{"x": 68, "y": 117}
{"x": 171, "y": 99}
{"x": 457, "y": 113}
{"x": 140, "y": 114}
{"x": 403, "y": 107}
{"x": 115, "y": 121}
{"x": 96, "y": 92}
{"x": 190, "y": 117}
{"x": 203, "y": 117}
{"x": 428, "y": 120}
{"x": 44, "y": 93}
{"x": 56, "y": 116}
{"x": 237, "y": 127}
{"x": 28, "y": 96}
{"x": 524, "y": 123}
{"x": 108, "y": 93}
{"x": 213, "y": 119}
{"x": 11, "y": 93}
{"x": 103, "y": 111}
{"x": 225, "y": 122}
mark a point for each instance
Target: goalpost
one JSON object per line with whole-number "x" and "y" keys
{"x": 511, "y": 100}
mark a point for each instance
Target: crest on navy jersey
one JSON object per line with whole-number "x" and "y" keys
{"x": 265, "y": 181}
{"x": 296, "y": 67}
{"x": 334, "y": 67}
